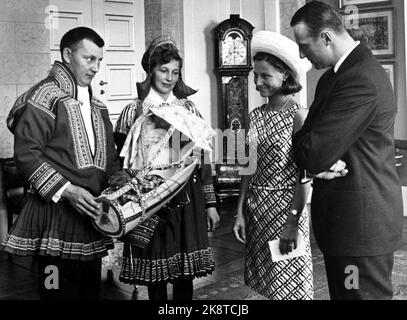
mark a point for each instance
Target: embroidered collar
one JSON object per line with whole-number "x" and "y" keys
{"x": 65, "y": 78}
{"x": 155, "y": 99}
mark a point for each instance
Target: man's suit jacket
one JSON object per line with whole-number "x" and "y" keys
{"x": 352, "y": 119}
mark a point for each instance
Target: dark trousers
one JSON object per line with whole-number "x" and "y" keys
{"x": 360, "y": 278}
{"x": 182, "y": 290}
{"x": 61, "y": 279}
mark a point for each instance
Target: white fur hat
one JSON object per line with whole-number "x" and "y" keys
{"x": 283, "y": 48}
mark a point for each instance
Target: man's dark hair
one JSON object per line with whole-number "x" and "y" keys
{"x": 290, "y": 85}
{"x": 74, "y": 36}
{"x": 317, "y": 15}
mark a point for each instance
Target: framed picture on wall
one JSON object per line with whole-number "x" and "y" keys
{"x": 389, "y": 68}
{"x": 344, "y": 3}
{"x": 375, "y": 29}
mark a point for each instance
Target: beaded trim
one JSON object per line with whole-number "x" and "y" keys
{"x": 65, "y": 249}
{"x": 145, "y": 271}
{"x": 44, "y": 179}
{"x": 64, "y": 79}
{"x": 83, "y": 154}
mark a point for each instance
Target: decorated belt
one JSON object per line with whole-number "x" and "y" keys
{"x": 271, "y": 188}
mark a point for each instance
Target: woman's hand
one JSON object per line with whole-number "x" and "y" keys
{"x": 289, "y": 235}
{"x": 213, "y": 218}
{"x": 239, "y": 228}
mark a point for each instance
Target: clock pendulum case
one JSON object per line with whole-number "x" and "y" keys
{"x": 233, "y": 65}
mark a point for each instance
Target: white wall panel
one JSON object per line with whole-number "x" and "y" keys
{"x": 63, "y": 16}
{"x": 200, "y": 17}
{"x": 122, "y": 83}
{"x": 119, "y": 32}
{"x": 120, "y": 1}
{"x": 65, "y": 21}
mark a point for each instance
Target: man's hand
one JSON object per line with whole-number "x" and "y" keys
{"x": 82, "y": 201}
{"x": 239, "y": 228}
{"x": 338, "y": 170}
{"x": 212, "y": 219}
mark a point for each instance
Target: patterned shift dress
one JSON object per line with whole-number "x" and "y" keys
{"x": 270, "y": 195}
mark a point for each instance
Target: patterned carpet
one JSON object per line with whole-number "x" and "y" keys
{"x": 400, "y": 275}
{"x": 18, "y": 274}
{"x": 229, "y": 285}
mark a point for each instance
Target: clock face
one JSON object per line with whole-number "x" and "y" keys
{"x": 234, "y": 50}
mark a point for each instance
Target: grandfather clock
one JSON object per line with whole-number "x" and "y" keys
{"x": 233, "y": 64}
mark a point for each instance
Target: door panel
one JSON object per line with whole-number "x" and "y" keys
{"x": 121, "y": 24}
{"x": 119, "y": 33}
{"x": 122, "y": 82}
{"x": 66, "y": 15}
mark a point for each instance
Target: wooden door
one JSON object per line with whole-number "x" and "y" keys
{"x": 121, "y": 25}
{"x": 63, "y": 16}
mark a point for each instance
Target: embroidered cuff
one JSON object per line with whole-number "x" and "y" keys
{"x": 46, "y": 181}
{"x": 209, "y": 194}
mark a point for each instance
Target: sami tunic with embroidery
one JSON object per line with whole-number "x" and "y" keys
{"x": 179, "y": 246}
{"x": 51, "y": 148}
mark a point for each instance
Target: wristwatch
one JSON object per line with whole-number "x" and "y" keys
{"x": 294, "y": 212}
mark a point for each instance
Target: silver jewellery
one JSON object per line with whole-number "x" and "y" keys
{"x": 294, "y": 212}
{"x": 272, "y": 108}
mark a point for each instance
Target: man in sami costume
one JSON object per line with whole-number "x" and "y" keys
{"x": 63, "y": 145}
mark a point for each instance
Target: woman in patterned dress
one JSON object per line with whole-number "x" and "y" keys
{"x": 272, "y": 200}
{"x": 179, "y": 249}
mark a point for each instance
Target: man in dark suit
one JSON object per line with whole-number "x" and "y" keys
{"x": 357, "y": 216}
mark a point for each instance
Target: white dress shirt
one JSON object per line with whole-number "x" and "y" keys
{"x": 84, "y": 100}
{"x": 342, "y": 60}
